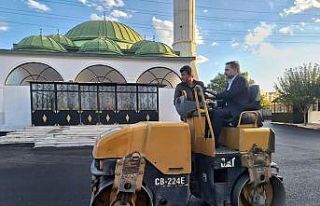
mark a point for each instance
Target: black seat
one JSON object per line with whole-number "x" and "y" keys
{"x": 254, "y": 98}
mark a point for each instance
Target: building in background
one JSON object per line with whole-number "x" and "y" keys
{"x": 314, "y": 113}
{"x": 286, "y": 113}
{"x": 99, "y": 72}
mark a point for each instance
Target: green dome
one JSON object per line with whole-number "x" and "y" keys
{"x": 150, "y": 48}
{"x": 116, "y": 31}
{"x": 101, "y": 46}
{"x": 64, "y": 41}
{"x": 137, "y": 45}
{"x": 39, "y": 43}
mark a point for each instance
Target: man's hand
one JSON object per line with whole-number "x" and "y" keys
{"x": 209, "y": 101}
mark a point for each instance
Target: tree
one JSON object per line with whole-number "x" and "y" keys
{"x": 300, "y": 87}
{"x": 219, "y": 82}
{"x": 246, "y": 75}
{"x": 264, "y": 102}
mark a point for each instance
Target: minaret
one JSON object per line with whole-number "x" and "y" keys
{"x": 184, "y": 14}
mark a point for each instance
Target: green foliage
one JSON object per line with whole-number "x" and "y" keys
{"x": 246, "y": 75}
{"x": 219, "y": 82}
{"x": 299, "y": 87}
{"x": 265, "y": 103}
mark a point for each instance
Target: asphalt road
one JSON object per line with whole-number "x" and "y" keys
{"x": 298, "y": 155}
{"x": 44, "y": 177}
{"x": 61, "y": 177}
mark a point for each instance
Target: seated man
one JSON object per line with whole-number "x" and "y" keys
{"x": 234, "y": 98}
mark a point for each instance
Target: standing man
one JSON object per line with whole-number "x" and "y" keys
{"x": 234, "y": 98}
{"x": 188, "y": 83}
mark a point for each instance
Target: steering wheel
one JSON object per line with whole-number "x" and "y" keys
{"x": 211, "y": 95}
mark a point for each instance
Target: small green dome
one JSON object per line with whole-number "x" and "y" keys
{"x": 39, "y": 43}
{"x": 137, "y": 45}
{"x": 151, "y": 48}
{"x": 101, "y": 46}
{"x": 64, "y": 41}
{"x": 116, "y": 31}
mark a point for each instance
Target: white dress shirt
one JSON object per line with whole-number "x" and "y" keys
{"x": 230, "y": 82}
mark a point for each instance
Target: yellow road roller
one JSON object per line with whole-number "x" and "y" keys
{"x": 177, "y": 163}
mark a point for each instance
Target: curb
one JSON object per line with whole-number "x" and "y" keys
{"x": 85, "y": 147}
{"x": 296, "y": 126}
{"x": 20, "y": 144}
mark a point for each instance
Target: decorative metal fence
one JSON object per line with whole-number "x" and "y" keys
{"x": 55, "y": 103}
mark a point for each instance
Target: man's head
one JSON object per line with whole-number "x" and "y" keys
{"x": 186, "y": 73}
{"x": 232, "y": 69}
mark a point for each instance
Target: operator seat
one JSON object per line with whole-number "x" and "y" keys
{"x": 250, "y": 112}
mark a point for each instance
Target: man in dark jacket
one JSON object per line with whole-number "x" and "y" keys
{"x": 234, "y": 98}
{"x": 188, "y": 83}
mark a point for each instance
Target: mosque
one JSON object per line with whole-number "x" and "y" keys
{"x": 99, "y": 72}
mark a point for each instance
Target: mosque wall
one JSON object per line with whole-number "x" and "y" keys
{"x": 167, "y": 111}
{"x": 70, "y": 66}
{"x": 15, "y": 108}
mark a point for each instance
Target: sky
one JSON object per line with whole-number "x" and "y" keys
{"x": 265, "y": 36}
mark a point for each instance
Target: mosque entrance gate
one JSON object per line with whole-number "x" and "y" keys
{"x": 64, "y": 103}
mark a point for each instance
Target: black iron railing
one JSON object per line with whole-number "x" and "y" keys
{"x": 64, "y": 103}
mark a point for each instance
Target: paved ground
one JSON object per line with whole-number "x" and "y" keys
{"x": 60, "y": 177}
{"x": 44, "y": 177}
{"x": 298, "y": 155}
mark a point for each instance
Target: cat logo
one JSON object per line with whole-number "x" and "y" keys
{"x": 227, "y": 164}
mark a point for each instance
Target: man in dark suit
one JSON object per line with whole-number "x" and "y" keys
{"x": 234, "y": 98}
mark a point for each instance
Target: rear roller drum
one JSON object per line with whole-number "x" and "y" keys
{"x": 271, "y": 193}
{"x": 103, "y": 199}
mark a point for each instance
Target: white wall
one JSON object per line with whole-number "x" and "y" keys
{"x": 17, "y": 107}
{"x": 314, "y": 117}
{"x": 167, "y": 111}
{"x": 70, "y": 66}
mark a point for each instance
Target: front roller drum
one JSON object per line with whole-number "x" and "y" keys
{"x": 103, "y": 199}
{"x": 270, "y": 193}
{"x": 127, "y": 186}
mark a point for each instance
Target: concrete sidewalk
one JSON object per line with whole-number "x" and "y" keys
{"x": 311, "y": 126}
{"x": 58, "y": 136}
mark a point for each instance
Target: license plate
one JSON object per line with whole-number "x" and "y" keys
{"x": 171, "y": 181}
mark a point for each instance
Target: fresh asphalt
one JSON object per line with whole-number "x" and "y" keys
{"x": 61, "y": 177}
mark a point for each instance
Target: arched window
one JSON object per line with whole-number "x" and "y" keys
{"x": 160, "y": 75}
{"x": 33, "y": 71}
{"x": 100, "y": 73}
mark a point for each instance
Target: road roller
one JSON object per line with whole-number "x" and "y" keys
{"x": 177, "y": 163}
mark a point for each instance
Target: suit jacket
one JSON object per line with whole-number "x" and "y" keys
{"x": 237, "y": 97}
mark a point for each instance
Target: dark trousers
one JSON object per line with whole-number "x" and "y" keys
{"x": 218, "y": 119}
